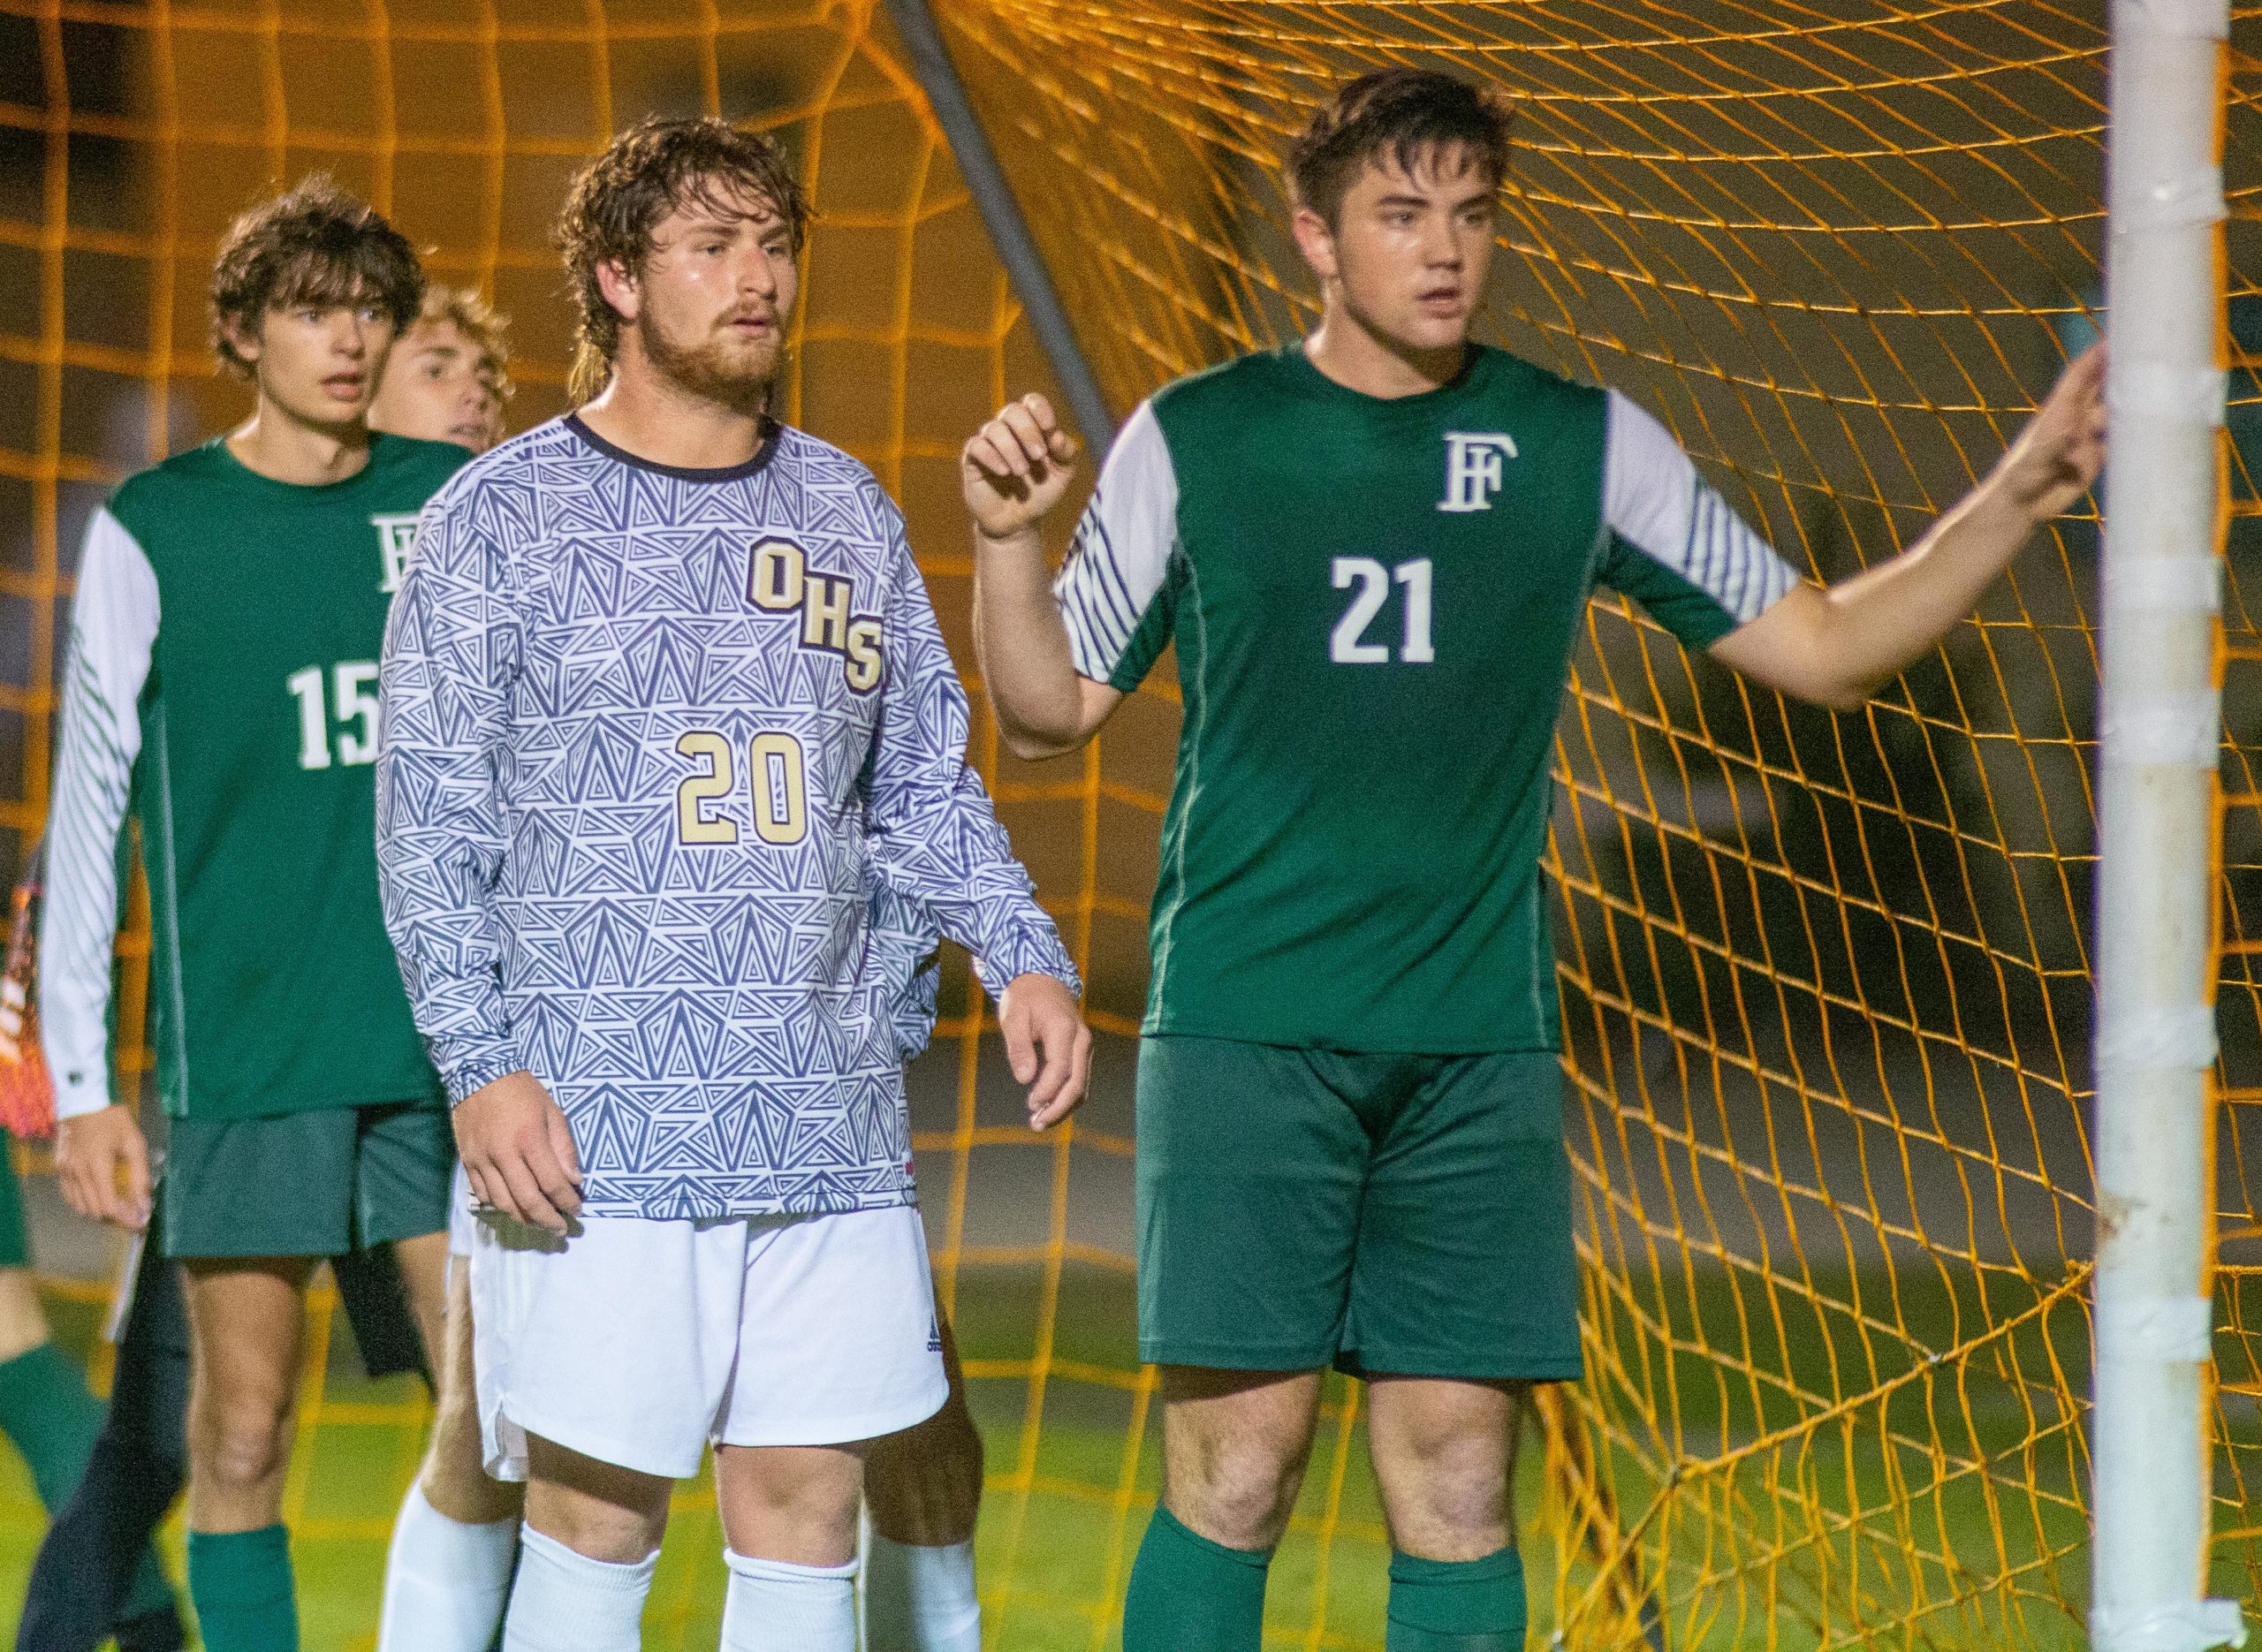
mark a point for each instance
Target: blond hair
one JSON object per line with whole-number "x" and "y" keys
{"x": 477, "y": 320}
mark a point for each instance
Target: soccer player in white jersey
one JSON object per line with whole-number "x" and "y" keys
{"x": 1373, "y": 549}
{"x": 663, "y": 694}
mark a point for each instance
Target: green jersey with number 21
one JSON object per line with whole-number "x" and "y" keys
{"x": 221, "y": 683}
{"x": 1374, "y": 603}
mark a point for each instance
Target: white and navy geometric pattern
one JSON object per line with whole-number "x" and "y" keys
{"x": 716, "y": 1018}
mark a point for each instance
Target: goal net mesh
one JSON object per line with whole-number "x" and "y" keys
{"x": 1825, "y": 975}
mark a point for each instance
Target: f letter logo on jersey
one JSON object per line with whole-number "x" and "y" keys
{"x": 1473, "y": 470}
{"x": 395, "y": 538}
{"x": 779, "y": 579}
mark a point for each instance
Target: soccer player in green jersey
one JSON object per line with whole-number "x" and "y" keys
{"x": 1373, "y": 549}
{"x": 222, "y": 687}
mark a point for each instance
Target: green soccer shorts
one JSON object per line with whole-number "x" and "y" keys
{"x": 15, "y": 1246}
{"x": 1390, "y": 1215}
{"x": 313, "y": 1184}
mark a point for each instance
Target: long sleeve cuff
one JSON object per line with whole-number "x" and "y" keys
{"x": 82, "y": 1091}
{"x": 1029, "y": 948}
{"x": 467, "y": 1065}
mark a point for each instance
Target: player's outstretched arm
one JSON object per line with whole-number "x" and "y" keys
{"x": 1015, "y": 471}
{"x": 1838, "y": 644}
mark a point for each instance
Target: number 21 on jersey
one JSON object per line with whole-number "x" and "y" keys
{"x": 1347, "y": 644}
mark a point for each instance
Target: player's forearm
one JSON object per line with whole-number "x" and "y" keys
{"x": 1890, "y": 615}
{"x": 1839, "y": 645}
{"x": 1023, "y": 647}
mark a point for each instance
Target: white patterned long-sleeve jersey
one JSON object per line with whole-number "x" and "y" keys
{"x": 649, "y": 736}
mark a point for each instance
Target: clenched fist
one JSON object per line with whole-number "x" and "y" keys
{"x": 1014, "y": 469}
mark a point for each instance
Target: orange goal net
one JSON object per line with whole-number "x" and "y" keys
{"x": 1825, "y": 976}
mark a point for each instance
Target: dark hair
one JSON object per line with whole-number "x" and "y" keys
{"x": 1395, "y": 114}
{"x": 313, "y": 244}
{"x": 659, "y": 165}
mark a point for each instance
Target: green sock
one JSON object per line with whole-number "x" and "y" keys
{"x": 1189, "y": 1594}
{"x": 240, "y": 1583}
{"x": 47, "y": 1413}
{"x": 1456, "y": 1605}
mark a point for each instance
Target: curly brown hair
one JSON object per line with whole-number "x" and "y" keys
{"x": 312, "y": 244}
{"x": 1395, "y": 114}
{"x": 662, "y": 164}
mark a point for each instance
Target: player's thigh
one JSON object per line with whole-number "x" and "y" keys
{"x": 423, "y": 1262}
{"x": 23, "y": 1322}
{"x": 455, "y": 1478}
{"x": 247, "y": 1323}
{"x": 276, "y": 1186}
{"x": 1465, "y": 1265}
{"x": 616, "y": 1343}
{"x": 838, "y": 1340}
{"x": 1250, "y": 1162}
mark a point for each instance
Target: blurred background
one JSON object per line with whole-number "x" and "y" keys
{"x": 1824, "y": 976}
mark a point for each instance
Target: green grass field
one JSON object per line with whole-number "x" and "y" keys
{"x": 1917, "y": 1507}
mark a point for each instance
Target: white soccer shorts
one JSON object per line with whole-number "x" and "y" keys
{"x": 461, "y": 1222}
{"x": 637, "y": 1341}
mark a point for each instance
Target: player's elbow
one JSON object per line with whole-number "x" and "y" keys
{"x": 1844, "y": 694}
{"x": 1034, "y": 743}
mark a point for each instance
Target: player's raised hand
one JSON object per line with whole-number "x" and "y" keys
{"x": 101, "y": 1159}
{"x": 2057, "y": 457}
{"x": 518, "y": 1152}
{"x": 1014, "y": 469}
{"x": 1047, "y": 1045}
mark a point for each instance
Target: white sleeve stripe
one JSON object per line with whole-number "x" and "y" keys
{"x": 1654, "y": 499}
{"x": 1120, "y": 557}
{"x": 1096, "y": 581}
{"x": 113, "y": 625}
{"x": 1088, "y": 616}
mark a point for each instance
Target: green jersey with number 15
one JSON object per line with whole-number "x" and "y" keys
{"x": 221, "y": 683}
{"x": 1374, "y": 603}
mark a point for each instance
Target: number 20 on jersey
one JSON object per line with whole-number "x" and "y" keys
{"x": 776, "y": 775}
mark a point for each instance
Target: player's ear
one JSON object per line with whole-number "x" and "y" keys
{"x": 618, "y": 284}
{"x": 1315, "y": 242}
{"x": 242, "y": 338}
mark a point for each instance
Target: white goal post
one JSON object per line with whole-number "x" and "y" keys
{"x": 2159, "y": 716}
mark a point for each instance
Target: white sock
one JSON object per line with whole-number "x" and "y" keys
{"x": 774, "y": 1606}
{"x": 918, "y": 1599}
{"x": 568, "y": 1602}
{"x": 447, "y": 1583}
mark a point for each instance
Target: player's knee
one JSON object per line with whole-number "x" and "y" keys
{"x": 242, "y": 1442}
{"x": 1445, "y": 1493}
{"x": 1240, "y": 1497}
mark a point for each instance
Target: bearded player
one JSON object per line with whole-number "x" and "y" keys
{"x": 1373, "y": 549}
{"x": 664, "y": 695}
{"x": 223, "y": 688}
